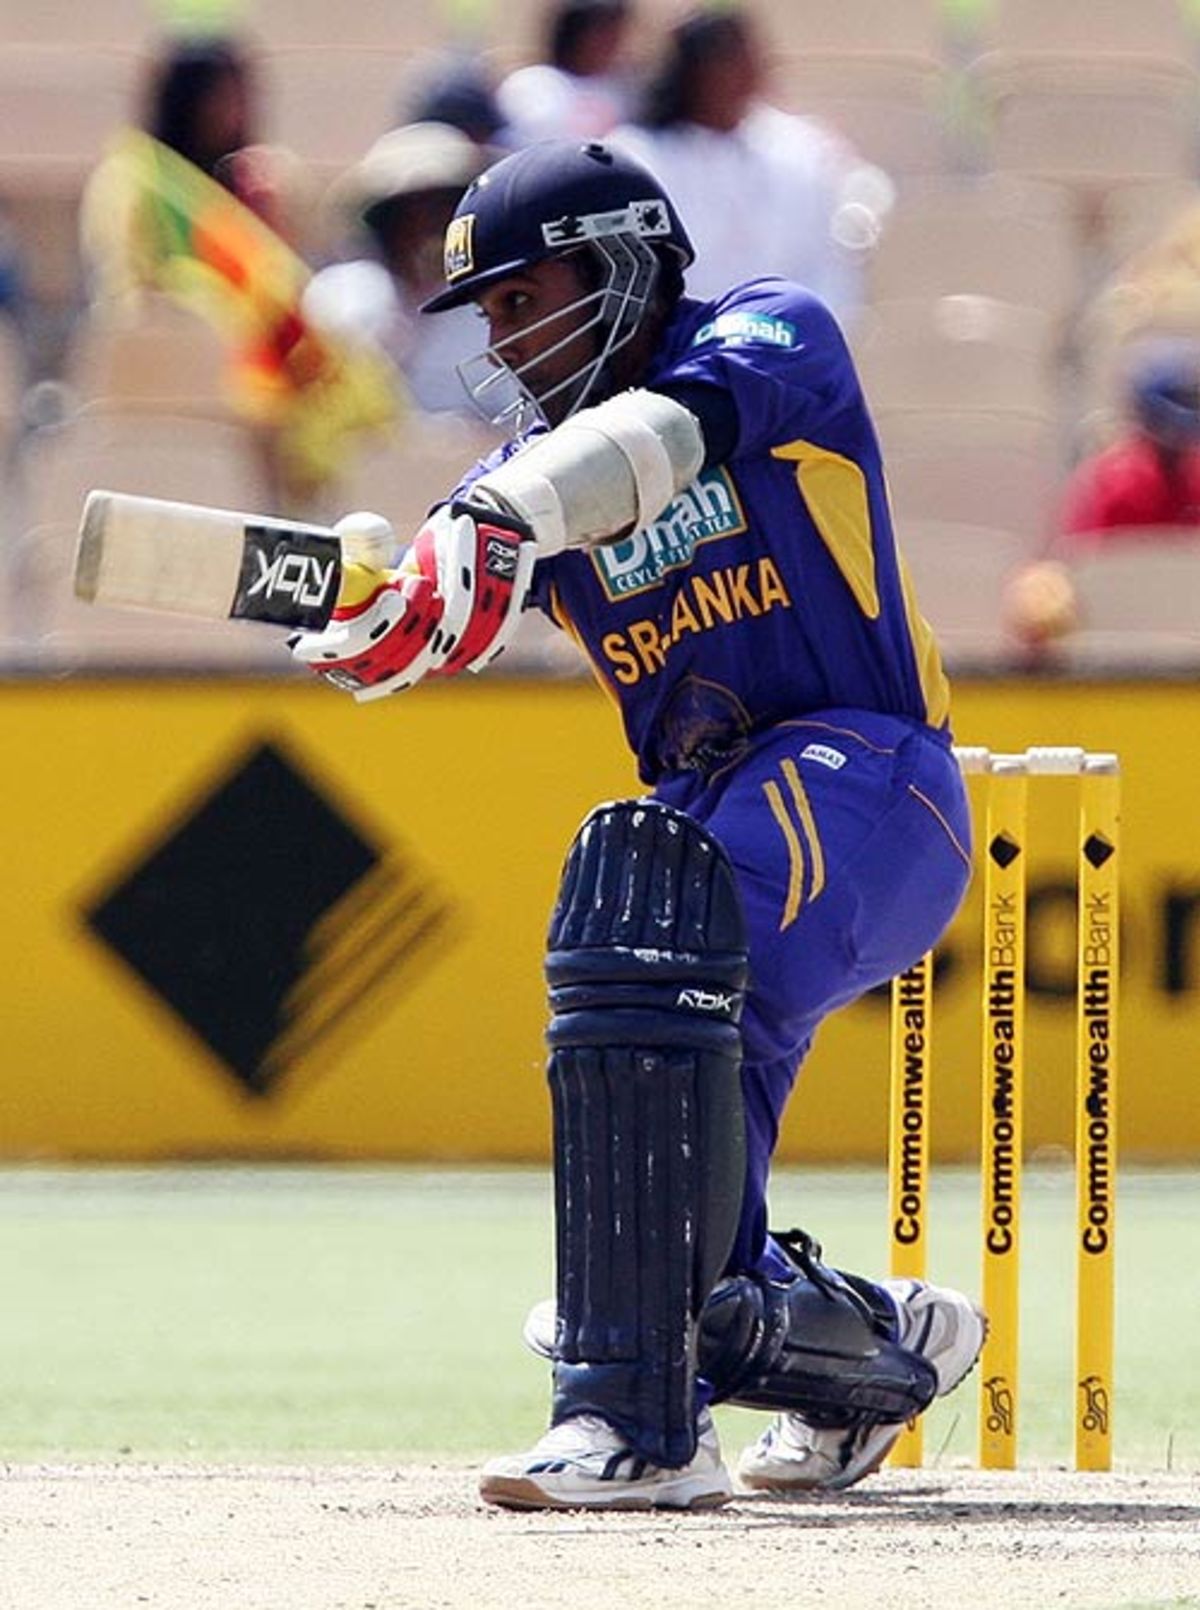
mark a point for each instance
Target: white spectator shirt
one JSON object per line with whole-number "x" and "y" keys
{"x": 542, "y": 102}
{"x": 362, "y": 300}
{"x": 761, "y": 199}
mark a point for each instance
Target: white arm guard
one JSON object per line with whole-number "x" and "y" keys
{"x": 606, "y": 470}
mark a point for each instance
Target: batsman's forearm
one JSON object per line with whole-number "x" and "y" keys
{"x": 606, "y": 470}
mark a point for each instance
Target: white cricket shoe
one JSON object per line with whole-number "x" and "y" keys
{"x": 942, "y": 1325}
{"x": 585, "y": 1464}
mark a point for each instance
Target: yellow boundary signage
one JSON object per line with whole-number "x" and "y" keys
{"x": 253, "y": 919}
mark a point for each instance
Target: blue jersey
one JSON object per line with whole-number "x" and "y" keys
{"x": 777, "y": 682}
{"x": 771, "y": 587}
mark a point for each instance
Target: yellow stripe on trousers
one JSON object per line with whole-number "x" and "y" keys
{"x": 795, "y": 893}
{"x": 807, "y": 820}
{"x": 795, "y": 835}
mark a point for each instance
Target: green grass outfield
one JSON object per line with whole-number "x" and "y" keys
{"x": 220, "y": 1313}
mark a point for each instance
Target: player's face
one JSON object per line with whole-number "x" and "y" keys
{"x": 542, "y": 325}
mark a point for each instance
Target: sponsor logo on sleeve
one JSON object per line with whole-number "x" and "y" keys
{"x": 746, "y": 329}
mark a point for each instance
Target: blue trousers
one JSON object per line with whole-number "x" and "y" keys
{"x": 849, "y": 834}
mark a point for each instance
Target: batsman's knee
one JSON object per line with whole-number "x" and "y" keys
{"x": 648, "y": 921}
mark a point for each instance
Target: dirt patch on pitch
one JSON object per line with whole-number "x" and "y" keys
{"x": 89, "y": 1537}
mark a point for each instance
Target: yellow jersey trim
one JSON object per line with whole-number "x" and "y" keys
{"x": 563, "y": 619}
{"x": 935, "y": 686}
{"x": 834, "y": 490}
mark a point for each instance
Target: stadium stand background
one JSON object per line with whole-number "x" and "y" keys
{"x": 1033, "y": 147}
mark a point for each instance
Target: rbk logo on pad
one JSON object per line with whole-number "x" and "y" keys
{"x": 697, "y": 999}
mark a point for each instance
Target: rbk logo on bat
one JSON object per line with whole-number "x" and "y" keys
{"x": 295, "y": 575}
{"x": 289, "y": 577}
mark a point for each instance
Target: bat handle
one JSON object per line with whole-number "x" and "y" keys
{"x": 367, "y": 539}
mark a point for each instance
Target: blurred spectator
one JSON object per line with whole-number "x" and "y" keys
{"x": 201, "y": 102}
{"x": 581, "y": 87}
{"x": 760, "y": 190}
{"x": 1150, "y": 296}
{"x": 15, "y": 361}
{"x": 455, "y": 87}
{"x": 1142, "y": 487}
{"x": 400, "y": 198}
{"x": 187, "y": 207}
{"x": 1150, "y": 476}
{"x": 12, "y": 271}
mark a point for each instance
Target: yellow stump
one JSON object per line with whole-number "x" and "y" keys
{"x": 1096, "y": 1109}
{"x": 908, "y": 1146}
{"x": 1003, "y": 1058}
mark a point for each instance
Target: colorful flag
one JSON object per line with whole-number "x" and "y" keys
{"x": 208, "y": 251}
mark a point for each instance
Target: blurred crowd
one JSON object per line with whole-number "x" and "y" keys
{"x": 218, "y": 224}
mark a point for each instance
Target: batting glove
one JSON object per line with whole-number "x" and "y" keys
{"x": 452, "y": 604}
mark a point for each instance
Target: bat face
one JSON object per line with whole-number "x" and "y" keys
{"x": 215, "y": 564}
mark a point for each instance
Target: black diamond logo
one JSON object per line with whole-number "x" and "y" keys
{"x": 1004, "y": 850}
{"x": 1097, "y": 849}
{"x": 265, "y": 917}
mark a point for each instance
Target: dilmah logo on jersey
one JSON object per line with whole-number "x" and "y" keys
{"x": 270, "y": 924}
{"x": 703, "y": 512}
{"x": 289, "y": 577}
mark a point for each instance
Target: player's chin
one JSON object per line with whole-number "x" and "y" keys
{"x": 559, "y": 403}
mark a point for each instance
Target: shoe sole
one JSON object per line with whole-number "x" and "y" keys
{"x": 519, "y": 1492}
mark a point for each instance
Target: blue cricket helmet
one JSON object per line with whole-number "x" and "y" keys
{"x": 546, "y": 200}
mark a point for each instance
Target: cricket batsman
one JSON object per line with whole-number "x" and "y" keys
{"x": 694, "y": 491}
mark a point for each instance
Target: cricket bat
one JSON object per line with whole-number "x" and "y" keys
{"x": 215, "y": 564}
